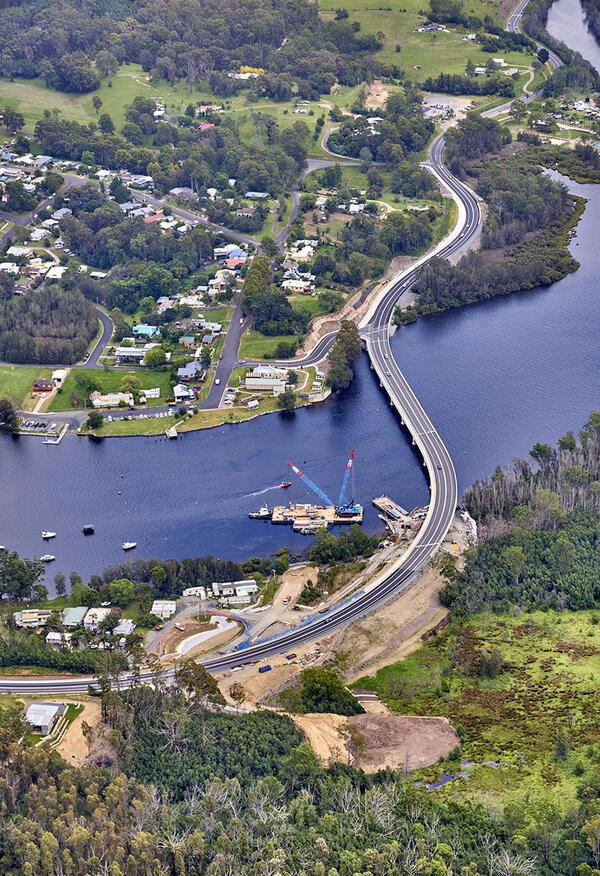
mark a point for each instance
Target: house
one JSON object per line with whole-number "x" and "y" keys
{"x": 59, "y": 640}
{"x": 145, "y": 394}
{"x": 60, "y": 214}
{"x": 205, "y": 126}
{"x": 43, "y": 716}
{"x": 124, "y": 628}
{"x": 155, "y": 217}
{"x": 297, "y": 285}
{"x": 20, "y": 251}
{"x": 9, "y": 267}
{"x": 141, "y": 330}
{"x": 42, "y": 386}
{"x": 206, "y": 340}
{"x": 232, "y": 264}
{"x": 56, "y": 272}
{"x": 98, "y": 275}
{"x": 182, "y": 192}
{"x": 248, "y": 212}
{"x": 266, "y": 377}
{"x": 131, "y": 354}
{"x": 128, "y": 206}
{"x": 58, "y": 376}
{"x": 183, "y": 393}
{"x": 31, "y": 617}
{"x": 73, "y": 617}
{"x": 191, "y": 371}
{"x": 94, "y": 618}
{"x": 188, "y": 341}
{"x": 163, "y": 608}
{"x": 111, "y": 399}
{"x": 257, "y": 196}
{"x": 195, "y": 591}
{"x": 38, "y": 234}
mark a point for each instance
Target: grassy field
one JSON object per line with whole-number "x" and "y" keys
{"x": 112, "y": 381}
{"x": 434, "y": 53}
{"x": 547, "y": 687}
{"x": 254, "y": 345}
{"x": 16, "y": 381}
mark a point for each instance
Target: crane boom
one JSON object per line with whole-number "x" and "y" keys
{"x": 344, "y": 487}
{"x": 311, "y": 484}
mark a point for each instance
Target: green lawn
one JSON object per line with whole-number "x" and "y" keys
{"x": 254, "y": 345}
{"x": 310, "y": 303}
{"x": 547, "y": 686}
{"x": 112, "y": 381}
{"x": 16, "y": 381}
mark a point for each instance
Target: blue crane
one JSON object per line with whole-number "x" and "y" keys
{"x": 342, "y": 507}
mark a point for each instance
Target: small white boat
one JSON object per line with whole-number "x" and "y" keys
{"x": 47, "y": 558}
{"x": 129, "y": 545}
{"x": 47, "y": 534}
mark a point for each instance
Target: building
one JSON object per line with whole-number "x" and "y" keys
{"x": 191, "y": 371}
{"x": 188, "y": 341}
{"x": 73, "y": 617}
{"x": 266, "y": 377}
{"x": 297, "y": 285}
{"x": 195, "y": 591}
{"x": 31, "y": 617}
{"x": 40, "y": 385}
{"x": 124, "y": 628}
{"x": 145, "y": 394}
{"x": 257, "y": 196}
{"x": 59, "y": 640}
{"x": 111, "y": 399}
{"x": 183, "y": 393}
{"x": 60, "y": 214}
{"x": 43, "y": 716}
{"x": 163, "y": 608}
{"x": 182, "y": 192}
{"x": 145, "y": 331}
{"x": 59, "y": 376}
{"x": 94, "y": 618}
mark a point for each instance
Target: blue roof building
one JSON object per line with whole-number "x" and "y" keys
{"x": 145, "y": 331}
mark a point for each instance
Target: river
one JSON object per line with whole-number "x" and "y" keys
{"x": 494, "y": 377}
{"x": 566, "y": 22}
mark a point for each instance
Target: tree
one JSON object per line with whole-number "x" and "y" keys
{"x": 269, "y": 246}
{"x": 591, "y": 832}
{"x": 515, "y": 559}
{"x": 155, "y": 357}
{"x": 8, "y": 415}
{"x": 147, "y": 305}
{"x": 205, "y": 356}
{"x": 60, "y": 584}
{"x": 543, "y": 55}
{"x": 106, "y": 124}
{"x": 346, "y": 349}
{"x": 18, "y": 578}
{"x": 97, "y": 103}
{"x": 121, "y": 591}
{"x": 197, "y": 684}
{"x": 286, "y": 401}
{"x": 95, "y": 420}
{"x": 237, "y": 693}
{"x": 12, "y": 121}
{"x": 106, "y": 64}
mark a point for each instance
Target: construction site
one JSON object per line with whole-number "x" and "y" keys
{"x": 308, "y": 518}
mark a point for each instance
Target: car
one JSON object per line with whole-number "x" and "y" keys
{"x": 241, "y": 320}
{"x": 385, "y": 356}
{"x": 389, "y": 373}
{"x": 109, "y": 418}
{"x": 439, "y": 468}
{"x": 217, "y": 381}
{"x": 159, "y": 626}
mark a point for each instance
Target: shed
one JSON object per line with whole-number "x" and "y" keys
{"x": 43, "y": 716}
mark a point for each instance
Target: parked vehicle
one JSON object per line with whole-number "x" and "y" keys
{"x": 265, "y": 668}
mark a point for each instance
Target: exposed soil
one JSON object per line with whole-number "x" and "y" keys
{"x": 293, "y": 582}
{"x": 395, "y": 741}
{"x": 73, "y": 746}
{"x": 377, "y": 94}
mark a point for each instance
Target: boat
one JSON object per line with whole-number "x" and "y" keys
{"x": 263, "y": 513}
{"x": 47, "y": 558}
{"x": 47, "y": 534}
{"x": 285, "y": 484}
{"x": 88, "y": 529}
{"x": 129, "y": 545}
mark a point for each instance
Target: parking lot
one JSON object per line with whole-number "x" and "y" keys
{"x": 39, "y": 426}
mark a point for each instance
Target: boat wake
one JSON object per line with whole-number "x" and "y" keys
{"x": 266, "y": 490}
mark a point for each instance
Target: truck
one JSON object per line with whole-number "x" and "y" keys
{"x": 266, "y": 668}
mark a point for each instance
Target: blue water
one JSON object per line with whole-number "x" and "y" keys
{"x": 495, "y": 378}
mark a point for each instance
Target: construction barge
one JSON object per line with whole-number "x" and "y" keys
{"x": 308, "y": 518}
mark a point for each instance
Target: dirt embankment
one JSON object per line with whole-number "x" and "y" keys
{"x": 380, "y": 740}
{"x": 73, "y": 746}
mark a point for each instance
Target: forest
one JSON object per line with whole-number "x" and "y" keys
{"x": 592, "y": 15}
{"x": 526, "y": 230}
{"x": 73, "y": 45}
{"x": 46, "y": 325}
{"x": 448, "y": 83}
{"x": 539, "y": 523}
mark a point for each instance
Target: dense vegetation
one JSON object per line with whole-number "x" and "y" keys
{"x": 320, "y": 690}
{"x": 271, "y": 311}
{"x": 46, "y": 325}
{"x": 525, "y": 232}
{"x": 73, "y": 46}
{"x": 544, "y": 523}
{"x": 29, "y": 649}
{"x": 342, "y": 356}
{"x": 592, "y": 14}
{"x": 449, "y": 83}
